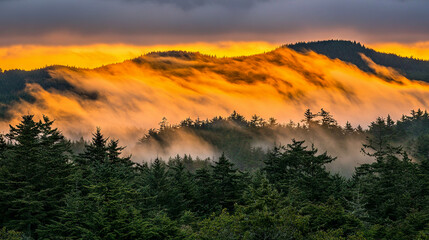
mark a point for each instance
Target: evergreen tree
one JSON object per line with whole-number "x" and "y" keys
{"x": 257, "y": 121}
{"x": 96, "y": 151}
{"x": 327, "y": 118}
{"x": 114, "y": 152}
{"x": 237, "y": 119}
{"x": 348, "y": 128}
{"x": 227, "y": 183}
{"x": 35, "y": 172}
{"x": 389, "y": 184}
{"x": 102, "y": 204}
{"x": 156, "y": 179}
{"x": 379, "y": 143}
{"x": 309, "y": 118}
{"x": 205, "y": 202}
{"x": 183, "y": 187}
{"x": 296, "y": 167}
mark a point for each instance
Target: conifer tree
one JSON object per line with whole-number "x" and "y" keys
{"x": 309, "y": 118}
{"x": 35, "y": 171}
{"x": 348, "y": 128}
{"x": 296, "y": 167}
{"x": 114, "y": 152}
{"x": 389, "y": 184}
{"x": 227, "y": 182}
{"x": 183, "y": 187}
{"x": 327, "y": 118}
{"x": 157, "y": 181}
{"x": 379, "y": 143}
{"x": 96, "y": 151}
{"x": 205, "y": 202}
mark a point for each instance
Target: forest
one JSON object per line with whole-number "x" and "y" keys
{"x": 54, "y": 188}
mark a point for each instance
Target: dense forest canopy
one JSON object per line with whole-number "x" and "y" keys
{"x": 49, "y": 191}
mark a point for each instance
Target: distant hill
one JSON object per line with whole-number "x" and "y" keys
{"x": 348, "y": 51}
{"x": 13, "y": 82}
{"x": 183, "y": 66}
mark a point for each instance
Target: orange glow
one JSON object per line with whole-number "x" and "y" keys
{"x": 135, "y": 95}
{"x": 418, "y": 50}
{"x": 139, "y": 95}
{"x": 30, "y": 57}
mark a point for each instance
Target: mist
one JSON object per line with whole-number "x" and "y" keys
{"x": 133, "y": 97}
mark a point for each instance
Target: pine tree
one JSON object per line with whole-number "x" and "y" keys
{"x": 237, "y": 119}
{"x": 348, "y": 128}
{"x": 159, "y": 190}
{"x": 327, "y": 118}
{"x": 114, "y": 152}
{"x": 96, "y": 151}
{"x": 379, "y": 142}
{"x": 102, "y": 204}
{"x": 257, "y": 121}
{"x": 390, "y": 184}
{"x": 205, "y": 202}
{"x": 36, "y": 171}
{"x": 227, "y": 182}
{"x": 309, "y": 118}
{"x": 183, "y": 187}
{"x": 296, "y": 167}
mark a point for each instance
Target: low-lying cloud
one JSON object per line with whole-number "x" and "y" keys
{"x": 135, "y": 95}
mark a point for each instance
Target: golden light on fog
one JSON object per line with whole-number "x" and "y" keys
{"x": 28, "y": 57}
{"x": 280, "y": 84}
{"x": 139, "y": 94}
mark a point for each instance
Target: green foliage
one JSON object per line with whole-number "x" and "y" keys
{"x": 227, "y": 183}
{"x": 294, "y": 168}
{"x": 35, "y": 173}
{"x": 47, "y": 192}
{"x": 9, "y": 235}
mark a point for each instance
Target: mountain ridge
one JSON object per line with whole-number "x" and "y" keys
{"x": 348, "y": 51}
{"x": 180, "y": 64}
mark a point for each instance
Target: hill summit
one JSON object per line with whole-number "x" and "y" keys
{"x": 348, "y": 51}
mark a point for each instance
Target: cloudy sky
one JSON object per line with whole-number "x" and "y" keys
{"x": 91, "y": 33}
{"x": 62, "y": 22}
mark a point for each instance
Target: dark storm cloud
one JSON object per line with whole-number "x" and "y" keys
{"x": 164, "y": 21}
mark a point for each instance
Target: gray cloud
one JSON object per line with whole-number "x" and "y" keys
{"x": 189, "y": 4}
{"x": 166, "y": 21}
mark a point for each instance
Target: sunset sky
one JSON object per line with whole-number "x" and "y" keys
{"x": 36, "y": 33}
{"x": 92, "y": 33}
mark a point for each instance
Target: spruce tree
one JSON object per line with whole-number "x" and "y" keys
{"x": 296, "y": 167}
{"x": 114, "y": 152}
{"x": 35, "y": 171}
{"x": 182, "y": 187}
{"x": 205, "y": 202}
{"x": 227, "y": 183}
{"x": 96, "y": 151}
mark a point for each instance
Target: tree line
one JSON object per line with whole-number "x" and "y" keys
{"x": 49, "y": 192}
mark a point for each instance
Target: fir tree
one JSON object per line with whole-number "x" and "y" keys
{"x": 227, "y": 183}
{"x": 35, "y": 173}
{"x": 296, "y": 167}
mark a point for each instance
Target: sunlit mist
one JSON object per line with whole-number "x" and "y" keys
{"x": 29, "y": 57}
{"x": 135, "y": 95}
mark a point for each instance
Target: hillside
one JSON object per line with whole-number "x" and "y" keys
{"x": 349, "y": 52}
{"x": 187, "y": 84}
{"x": 12, "y": 82}
{"x": 280, "y": 145}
